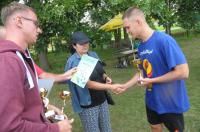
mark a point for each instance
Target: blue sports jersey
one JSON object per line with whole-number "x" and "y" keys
{"x": 159, "y": 55}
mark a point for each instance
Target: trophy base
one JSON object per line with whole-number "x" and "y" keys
{"x": 59, "y": 117}
{"x": 149, "y": 89}
{"x": 50, "y": 113}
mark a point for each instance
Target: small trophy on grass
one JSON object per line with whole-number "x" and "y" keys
{"x": 65, "y": 96}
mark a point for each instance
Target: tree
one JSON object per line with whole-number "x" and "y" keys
{"x": 50, "y": 15}
{"x": 104, "y": 10}
{"x": 57, "y": 19}
{"x": 188, "y": 13}
{"x": 164, "y": 12}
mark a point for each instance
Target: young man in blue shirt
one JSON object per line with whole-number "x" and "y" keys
{"x": 164, "y": 70}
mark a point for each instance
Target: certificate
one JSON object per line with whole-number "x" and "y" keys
{"x": 84, "y": 70}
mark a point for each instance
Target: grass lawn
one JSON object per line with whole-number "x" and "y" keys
{"x": 128, "y": 115}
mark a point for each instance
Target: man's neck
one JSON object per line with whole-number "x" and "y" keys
{"x": 147, "y": 33}
{"x": 17, "y": 40}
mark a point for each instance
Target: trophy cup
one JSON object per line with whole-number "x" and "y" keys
{"x": 43, "y": 93}
{"x": 65, "y": 96}
{"x": 137, "y": 63}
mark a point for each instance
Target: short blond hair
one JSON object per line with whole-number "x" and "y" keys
{"x": 12, "y": 8}
{"x": 133, "y": 12}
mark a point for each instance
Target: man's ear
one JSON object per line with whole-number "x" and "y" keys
{"x": 18, "y": 22}
{"x": 138, "y": 21}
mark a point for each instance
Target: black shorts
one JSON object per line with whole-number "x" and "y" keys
{"x": 174, "y": 122}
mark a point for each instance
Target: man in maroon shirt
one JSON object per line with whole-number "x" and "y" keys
{"x": 21, "y": 108}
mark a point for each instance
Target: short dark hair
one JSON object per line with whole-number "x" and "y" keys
{"x": 12, "y": 8}
{"x": 129, "y": 12}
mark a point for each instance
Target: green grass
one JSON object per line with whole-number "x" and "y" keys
{"x": 128, "y": 115}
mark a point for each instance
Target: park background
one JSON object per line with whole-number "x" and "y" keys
{"x": 60, "y": 18}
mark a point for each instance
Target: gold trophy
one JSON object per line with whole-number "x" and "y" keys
{"x": 65, "y": 96}
{"x": 137, "y": 63}
{"x": 43, "y": 93}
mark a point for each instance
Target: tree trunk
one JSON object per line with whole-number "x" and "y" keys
{"x": 117, "y": 36}
{"x": 168, "y": 24}
{"x": 168, "y": 28}
{"x": 125, "y": 35}
{"x": 187, "y": 33}
{"x": 43, "y": 60}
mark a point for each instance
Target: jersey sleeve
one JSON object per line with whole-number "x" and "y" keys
{"x": 173, "y": 53}
{"x": 38, "y": 69}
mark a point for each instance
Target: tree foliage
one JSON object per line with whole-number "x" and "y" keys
{"x": 59, "y": 18}
{"x": 188, "y": 14}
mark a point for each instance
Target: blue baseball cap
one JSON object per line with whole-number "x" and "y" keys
{"x": 79, "y": 37}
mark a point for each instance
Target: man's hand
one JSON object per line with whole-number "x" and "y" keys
{"x": 145, "y": 81}
{"x": 65, "y": 125}
{"x": 108, "y": 80}
{"x": 68, "y": 74}
{"x": 55, "y": 109}
{"x": 118, "y": 88}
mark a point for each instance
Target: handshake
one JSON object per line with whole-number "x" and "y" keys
{"x": 137, "y": 79}
{"x": 117, "y": 88}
